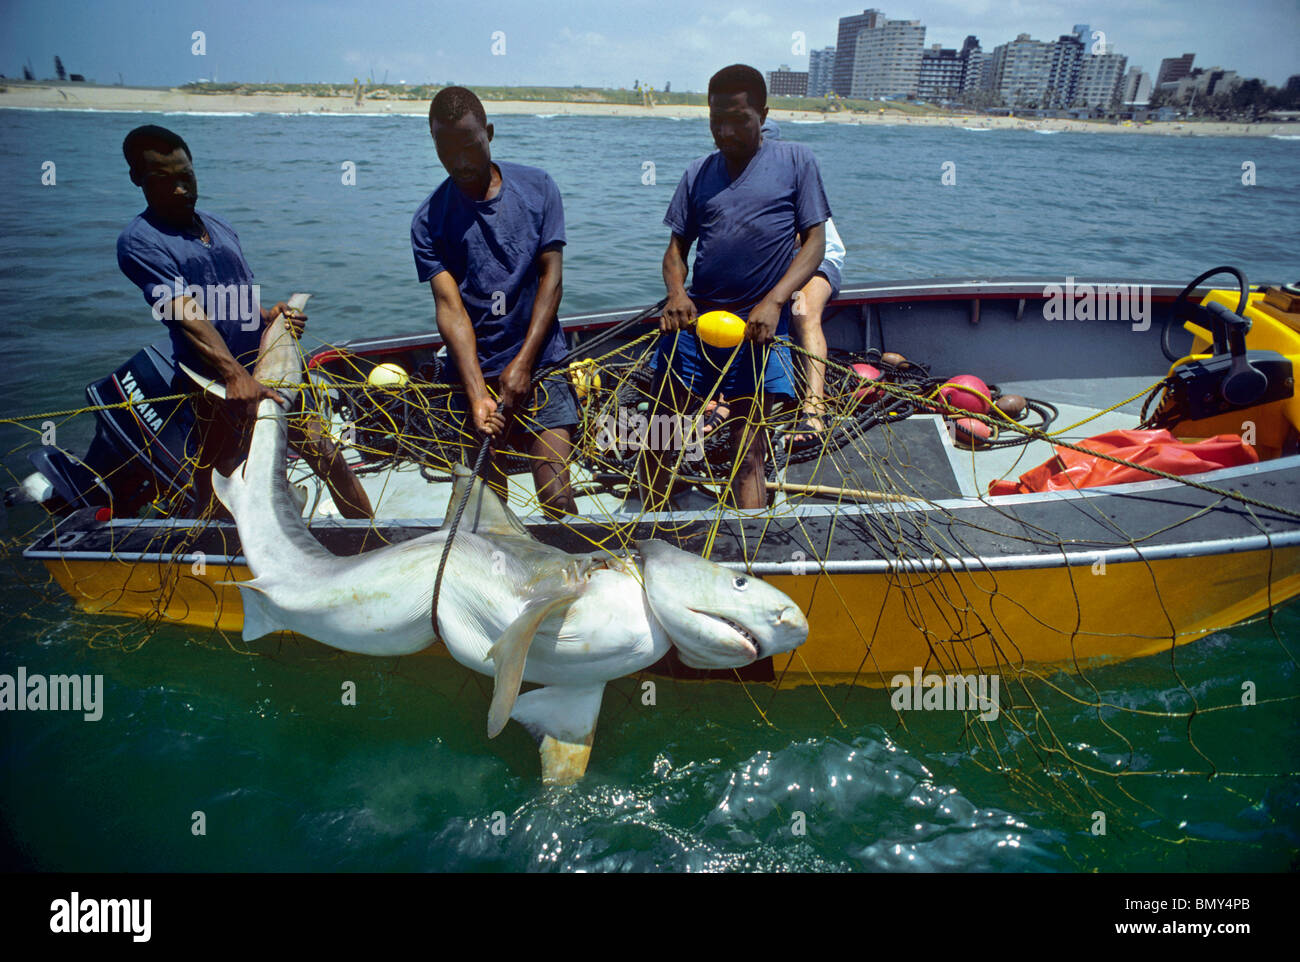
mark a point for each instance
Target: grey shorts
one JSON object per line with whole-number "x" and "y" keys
{"x": 551, "y": 406}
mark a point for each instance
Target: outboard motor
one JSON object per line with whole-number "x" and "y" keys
{"x": 1248, "y": 376}
{"x": 138, "y": 452}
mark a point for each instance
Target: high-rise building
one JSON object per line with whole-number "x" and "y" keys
{"x": 1100, "y": 78}
{"x": 784, "y": 82}
{"x": 846, "y": 48}
{"x": 1174, "y": 68}
{"x": 972, "y": 64}
{"x": 821, "y": 70}
{"x": 887, "y": 59}
{"x": 1064, "y": 61}
{"x": 1019, "y": 71}
{"x": 1293, "y": 83}
{"x": 1137, "y": 87}
{"x": 941, "y": 73}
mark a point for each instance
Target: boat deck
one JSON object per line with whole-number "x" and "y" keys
{"x": 916, "y": 457}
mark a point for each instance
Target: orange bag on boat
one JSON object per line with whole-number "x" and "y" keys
{"x": 1157, "y": 449}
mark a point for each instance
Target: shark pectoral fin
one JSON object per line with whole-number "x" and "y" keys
{"x": 563, "y": 720}
{"x": 511, "y": 651}
{"x": 260, "y": 616}
{"x": 209, "y": 385}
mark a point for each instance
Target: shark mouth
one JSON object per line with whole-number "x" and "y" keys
{"x": 745, "y": 635}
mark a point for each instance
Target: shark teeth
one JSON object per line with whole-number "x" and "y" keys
{"x": 739, "y": 629}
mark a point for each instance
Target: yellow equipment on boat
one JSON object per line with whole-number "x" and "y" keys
{"x": 388, "y": 375}
{"x": 584, "y": 377}
{"x": 1275, "y": 326}
{"x": 721, "y": 328}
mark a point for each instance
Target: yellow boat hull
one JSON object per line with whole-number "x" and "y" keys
{"x": 868, "y": 627}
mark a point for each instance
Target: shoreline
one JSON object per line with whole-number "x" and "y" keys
{"x": 158, "y": 100}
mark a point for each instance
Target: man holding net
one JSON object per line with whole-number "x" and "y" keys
{"x": 745, "y": 205}
{"x": 489, "y": 243}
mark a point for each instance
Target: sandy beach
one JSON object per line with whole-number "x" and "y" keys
{"x": 158, "y": 100}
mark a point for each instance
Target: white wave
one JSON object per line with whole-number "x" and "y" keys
{"x": 547, "y": 116}
{"x": 1047, "y": 131}
{"x": 211, "y": 113}
{"x": 72, "y": 110}
{"x": 805, "y": 121}
{"x": 1284, "y": 136}
{"x": 977, "y": 129}
{"x": 347, "y": 113}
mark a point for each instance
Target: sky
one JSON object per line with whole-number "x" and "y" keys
{"x": 595, "y": 43}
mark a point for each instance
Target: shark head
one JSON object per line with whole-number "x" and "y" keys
{"x": 717, "y": 618}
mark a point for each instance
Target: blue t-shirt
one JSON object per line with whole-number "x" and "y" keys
{"x": 491, "y": 248}
{"x": 745, "y": 231}
{"x": 163, "y": 262}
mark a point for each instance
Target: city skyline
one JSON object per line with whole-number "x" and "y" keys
{"x": 586, "y": 42}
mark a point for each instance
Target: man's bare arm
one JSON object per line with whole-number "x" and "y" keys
{"x": 679, "y": 311}
{"x": 550, "y": 289}
{"x": 241, "y": 387}
{"x": 458, "y": 334}
{"x": 517, "y": 376}
{"x": 804, "y": 265}
{"x": 766, "y": 315}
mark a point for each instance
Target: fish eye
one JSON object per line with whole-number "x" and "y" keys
{"x": 740, "y": 584}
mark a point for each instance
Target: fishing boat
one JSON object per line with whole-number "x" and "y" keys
{"x": 903, "y": 531}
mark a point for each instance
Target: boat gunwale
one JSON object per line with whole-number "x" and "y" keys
{"x": 1067, "y": 558}
{"x": 880, "y": 292}
{"x": 804, "y": 568}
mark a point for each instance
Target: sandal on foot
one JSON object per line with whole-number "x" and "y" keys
{"x": 806, "y": 432}
{"x": 715, "y": 413}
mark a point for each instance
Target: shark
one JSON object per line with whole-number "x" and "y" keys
{"x": 510, "y": 606}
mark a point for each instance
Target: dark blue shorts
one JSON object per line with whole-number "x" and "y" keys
{"x": 745, "y": 371}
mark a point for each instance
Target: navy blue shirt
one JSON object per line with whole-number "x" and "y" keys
{"x": 491, "y": 248}
{"x": 163, "y": 261}
{"x": 746, "y": 230}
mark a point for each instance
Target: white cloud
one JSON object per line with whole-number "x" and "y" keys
{"x": 743, "y": 18}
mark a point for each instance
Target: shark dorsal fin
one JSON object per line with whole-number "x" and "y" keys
{"x": 485, "y": 513}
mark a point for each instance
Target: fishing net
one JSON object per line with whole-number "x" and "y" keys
{"x": 1078, "y": 735}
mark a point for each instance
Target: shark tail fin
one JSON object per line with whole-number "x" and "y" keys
{"x": 511, "y": 652}
{"x": 563, "y": 720}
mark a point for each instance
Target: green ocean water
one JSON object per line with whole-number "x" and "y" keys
{"x": 288, "y": 778}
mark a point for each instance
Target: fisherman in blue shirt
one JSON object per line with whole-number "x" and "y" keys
{"x": 192, "y": 272}
{"x": 806, "y": 322}
{"x": 744, "y": 205}
{"x": 489, "y": 243}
